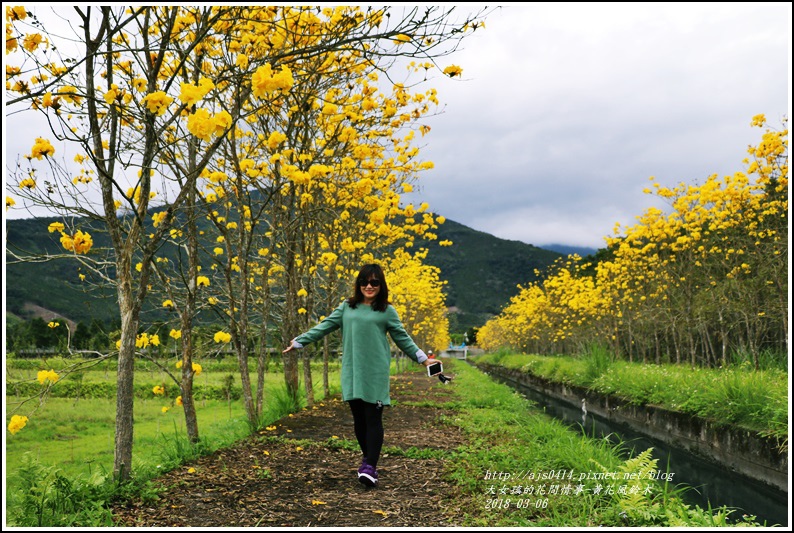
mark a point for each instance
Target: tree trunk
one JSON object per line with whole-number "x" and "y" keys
{"x": 186, "y": 326}
{"x": 188, "y": 405}
{"x": 308, "y": 385}
{"x": 263, "y": 358}
{"x": 122, "y": 462}
{"x": 326, "y": 357}
{"x": 291, "y": 379}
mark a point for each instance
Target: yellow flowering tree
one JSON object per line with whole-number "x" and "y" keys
{"x": 148, "y": 104}
{"x": 692, "y": 284}
{"x": 417, "y": 292}
{"x": 309, "y": 181}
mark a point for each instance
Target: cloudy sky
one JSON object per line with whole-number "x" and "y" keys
{"x": 565, "y": 110}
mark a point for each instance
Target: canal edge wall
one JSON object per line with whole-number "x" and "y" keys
{"x": 741, "y": 450}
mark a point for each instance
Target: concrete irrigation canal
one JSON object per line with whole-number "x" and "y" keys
{"x": 727, "y": 466}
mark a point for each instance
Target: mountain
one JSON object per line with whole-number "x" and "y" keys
{"x": 35, "y": 289}
{"x": 482, "y": 271}
{"x": 566, "y": 250}
{"x": 482, "y": 274}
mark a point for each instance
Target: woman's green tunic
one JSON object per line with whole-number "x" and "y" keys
{"x": 366, "y": 354}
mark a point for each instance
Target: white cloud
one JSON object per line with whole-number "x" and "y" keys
{"x": 566, "y": 110}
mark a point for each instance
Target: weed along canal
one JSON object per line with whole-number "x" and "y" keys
{"x": 730, "y": 469}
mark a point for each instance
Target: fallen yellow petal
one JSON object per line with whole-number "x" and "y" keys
{"x": 191, "y": 470}
{"x": 318, "y": 502}
{"x": 378, "y": 511}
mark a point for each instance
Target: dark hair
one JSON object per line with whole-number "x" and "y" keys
{"x": 368, "y": 272}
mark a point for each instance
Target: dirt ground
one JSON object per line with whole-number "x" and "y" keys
{"x": 301, "y": 479}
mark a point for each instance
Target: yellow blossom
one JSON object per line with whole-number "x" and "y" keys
{"x": 32, "y": 41}
{"x": 453, "y": 70}
{"x": 158, "y": 390}
{"x": 157, "y": 102}
{"x": 17, "y": 423}
{"x": 16, "y": 13}
{"x": 42, "y": 148}
{"x": 47, "y": 375}
{"x": 69, "y": 94}
{"x": 222, "y": 336}
{"x": 190, "y": 94}
{"x": 201, "y": 124}
{"x": 81, "y": 243}
{"x": 264, "y": 80}
{"x": 158, "y": 218}
{"x": 142, "y": 340}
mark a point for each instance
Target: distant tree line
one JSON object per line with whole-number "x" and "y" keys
{"x": 38, "y": 333}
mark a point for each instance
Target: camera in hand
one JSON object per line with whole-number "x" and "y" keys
{"x": 434, "y": 369}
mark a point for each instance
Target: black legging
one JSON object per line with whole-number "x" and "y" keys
{"x": 368, "y": 425}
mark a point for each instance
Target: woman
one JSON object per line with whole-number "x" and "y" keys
{"x": 365, "y": 319}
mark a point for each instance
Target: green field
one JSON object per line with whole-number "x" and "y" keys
{"x": 76, "y": 434}
{"x": 73, "y": 438}
{"x": 738, "y": 395}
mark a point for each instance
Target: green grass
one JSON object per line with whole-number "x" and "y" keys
{"x": 77, "y": 436}
{"x": 54, "y": 462}
{"x": 739, "y": 395}
{"x": 512, "y": 446}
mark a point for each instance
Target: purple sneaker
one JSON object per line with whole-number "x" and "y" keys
{"x": 367, "y": 475}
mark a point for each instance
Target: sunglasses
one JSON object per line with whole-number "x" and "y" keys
{"x": 373, "y": 282}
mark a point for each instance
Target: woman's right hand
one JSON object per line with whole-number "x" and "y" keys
{"x": 292, "y": 346}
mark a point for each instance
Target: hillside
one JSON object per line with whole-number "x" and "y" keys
{"x": 482, "y": 272}
{"x": 35, "y": 289}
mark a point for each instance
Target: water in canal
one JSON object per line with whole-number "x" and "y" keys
{"x": 708, "y": 482}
